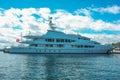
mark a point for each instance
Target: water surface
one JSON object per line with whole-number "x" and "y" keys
{"x": 59, "y": 67}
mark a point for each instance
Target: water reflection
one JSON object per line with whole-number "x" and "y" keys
{"x": 34, "y": 67}
{"x": 51, "y": 67}
{"x": 73, "y": 66}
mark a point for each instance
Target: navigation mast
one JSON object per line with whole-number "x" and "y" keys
{"x": 51, "y": 24}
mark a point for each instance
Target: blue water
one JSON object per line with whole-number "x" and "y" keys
{"x": 59, "y": 67}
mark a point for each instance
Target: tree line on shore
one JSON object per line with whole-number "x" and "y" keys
{"x": 116, "y": 44}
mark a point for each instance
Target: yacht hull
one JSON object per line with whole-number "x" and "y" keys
{"x": 56, "y": 51}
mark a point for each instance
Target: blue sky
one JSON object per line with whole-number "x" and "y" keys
{"x": 56, "y": 4}
{"x": 88, "y": 17}
{"x": 67, "y": 5}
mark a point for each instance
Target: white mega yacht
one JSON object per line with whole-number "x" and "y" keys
{"x": 56, "y": 42}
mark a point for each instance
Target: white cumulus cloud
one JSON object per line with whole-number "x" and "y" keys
{"x": 14, "y": 21}
{"x": 111, "y": 9}
{"x": 104, "y": 38}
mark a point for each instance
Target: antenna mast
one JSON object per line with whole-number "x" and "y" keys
{"x": 51, "y": 24}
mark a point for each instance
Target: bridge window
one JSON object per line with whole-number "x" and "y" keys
{"x": 64, "y": 40}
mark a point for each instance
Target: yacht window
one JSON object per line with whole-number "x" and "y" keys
{"x": 48, "y": 45}
{"x": 76, "y": 46}
{"x": 51, "y": 45}
{"x": 49, "y": 40}
{"x": 78, "y": 38}
{"x": 86, "y": 46}
{"x": 81, "y": 46}
{"x": 64, "y": 40}
{"x": 60, "y": 45}
{"x": 96, "y": 43}
{"x": 57, "y": 40}
{"x": 35, "y": 45}
{"x": 92, "y": 46}
{"x": 84, "y": 38}
{"x": 67, "y": 40}
{"x": 72, "y": 40}
{"x": 72, "y": 46}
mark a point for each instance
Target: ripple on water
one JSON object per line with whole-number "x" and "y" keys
{"x": 59, "y": 67}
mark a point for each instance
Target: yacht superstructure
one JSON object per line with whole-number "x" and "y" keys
{"x": 58, "y": 42}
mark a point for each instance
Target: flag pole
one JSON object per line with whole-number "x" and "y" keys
{"x": 21, "y": 36}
